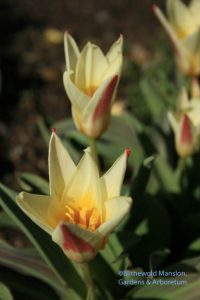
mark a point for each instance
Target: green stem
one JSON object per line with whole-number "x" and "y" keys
{"x": 93, "y": 146}
{"x": 88, "y": 282}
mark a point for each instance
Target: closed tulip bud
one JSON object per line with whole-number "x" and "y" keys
{"x": 90, "y": 81}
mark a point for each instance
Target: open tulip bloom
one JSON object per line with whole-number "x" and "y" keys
{"x": 83, "y": 208}
{"x": 90, "y": 81}
{"x": 183, "y": 28}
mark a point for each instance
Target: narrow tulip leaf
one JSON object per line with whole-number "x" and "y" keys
{"x": 43, "y": 130}
{"x": 5, "y": 293}
{"x": 28, "y": 262}
{"x": 137, "y": 191}
{"x": 153, "y": 101}
{"x": 26, "y": 287}
{"x": 5, "y": 220}
{"x": 51, "y": 253}
{"x": 31, "y": 182}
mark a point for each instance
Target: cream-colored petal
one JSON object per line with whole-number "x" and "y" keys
{"x": 194, "y": 8}
{"x": 116, "y": 210}
{"x": 183, "y": 101}
{"x": 191, "y": 54}
{"x": 115, "y": 49}
{"x": 76, "y": 118}
{"x": 194, "y": 111}
{"x": 173, "y": 122}
{"x": 96, "y": 115}
{"x": 61, "y": 167}
{"x": 36, "y": 207}
{"x": 76, "y": 96}
{"x": 169, "y": 30}
{"x": 84, "y": 188}
{"x": 71, "y": 52}
{"x": 90, "y": 66}
{"x": 78, "y": 244}
{"x": 181, "y": 18}
{"x": 115, "y": 67}
{"x": 112, "y": 180}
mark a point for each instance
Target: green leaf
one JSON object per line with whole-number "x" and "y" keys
{"x": 5, "y": 293}
{"x": 26, "y": 287}
{"x": 51, "y": 253}
{"x": 31, "y": 182}
{"x": 28, "y": 261}
{"x": 153, "y": 102}
{"x": 138, "y": 189}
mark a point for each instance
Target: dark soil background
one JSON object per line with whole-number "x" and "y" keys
{"x": 32, "y": 63}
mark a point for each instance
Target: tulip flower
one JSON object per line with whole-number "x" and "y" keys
{"x": 183, "y": 28}
{"x": 83, "y": 207}
{"x": 90, "y": 82}
{"x": 186, "y": 135}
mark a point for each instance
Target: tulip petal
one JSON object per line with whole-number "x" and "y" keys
{"x": 112, "y": 180}
{"x": 115, "y": 49}
{"x": 116, "y": 210}
{"x": 194, "y": 111}
{"x": 76, "y": 96}
{"x": 90, "y": 66}
{"x": 169, "y": 30}
{"x": 96, "y": 115}
{"x": 194, "y": 8}
{"x": 36, "y": 207}
{"x": 114, "y": 68}
{"x": 71, "y": 52}
{"x": 61, "y": 167}
{"x": 173, "y": 121}
{"x": 180, "y": 18}
{"x": 84, "y": 188}
{"x": 78, "y": 244}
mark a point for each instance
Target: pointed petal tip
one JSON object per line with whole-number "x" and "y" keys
{"x": 153, "y": 7}
{"x": 128, "y": 152}
{"x": 53, "y": 130}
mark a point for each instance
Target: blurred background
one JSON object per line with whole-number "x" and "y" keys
{"x": 32, "y": 64}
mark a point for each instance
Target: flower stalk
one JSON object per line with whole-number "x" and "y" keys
{"x": 93, "y": 147}
{"x": 88, "y": 281}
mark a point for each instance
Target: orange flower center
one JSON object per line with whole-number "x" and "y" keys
{"x": 88, "y": 218}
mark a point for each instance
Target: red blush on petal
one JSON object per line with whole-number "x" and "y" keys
{"x": 74, "y": 243}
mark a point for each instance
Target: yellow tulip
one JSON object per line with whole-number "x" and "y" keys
{"x": 83, "y": 207}
{"x": 90, "y": 82}
{"x": 183, "y": 28}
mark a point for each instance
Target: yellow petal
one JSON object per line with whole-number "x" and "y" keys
{"x": 115, "y": 67}
{"x": 112, "y": 180}
{"x": 116, "y": 210}
{"x": 181, "y": 18}
{"x": 71, "y": 52}
{"x": 194, "y": 111}
{"x": 84, "y": 188}
{"x": 61, "y": 167}
{"x": 78, "y": 244}
{"x": 169, "y": 30}
{"x": 36, "y": 207}
{"x": 191, "y": 47}
{"x": 90, "y": 66}
{"x": 76, "y": 96}
{"x": 115, "y": 49}
{"x": 194, "y": 8}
